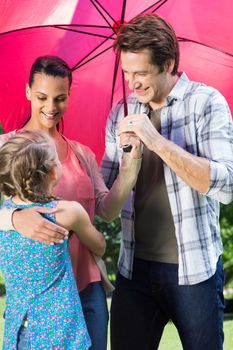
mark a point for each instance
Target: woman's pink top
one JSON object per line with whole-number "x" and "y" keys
{"x": 76, "y": 185}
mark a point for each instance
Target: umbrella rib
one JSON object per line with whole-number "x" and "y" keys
{"x": 58, "y": 26}
{"x": 89, "y": 53}
{"x": 124, "y": 94}
{"x": 117, "y": 60}
{"x": 93, "y": 3}
{"x": 83, "y": 32}
{"x": 78, "y": 65}
{"x": 27, "y": 28}
{"x": 123, "y": 12}
{"x": 206, "y": 45}
{"x": 159, "y": 3}
{"x": 82, "y": 25}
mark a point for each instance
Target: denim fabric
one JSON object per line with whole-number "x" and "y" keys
{"x": 93, "y": 300}
{"x": 22, "y": 339}
{"x": 141, "y": 308}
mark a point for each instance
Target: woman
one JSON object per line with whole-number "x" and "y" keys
{"x": 48, "y": 91}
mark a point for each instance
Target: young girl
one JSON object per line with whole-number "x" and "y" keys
{"x": 43, "y": 309}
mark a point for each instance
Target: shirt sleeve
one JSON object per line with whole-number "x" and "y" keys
{"x": 110, "y": 162}
{"x": 215, "y": 141}
{"x": 99, "y": 186}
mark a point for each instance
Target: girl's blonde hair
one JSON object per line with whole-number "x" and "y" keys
{"x": 26, "y": 160}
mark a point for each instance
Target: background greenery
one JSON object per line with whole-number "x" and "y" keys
{"x": 226, "y": 223}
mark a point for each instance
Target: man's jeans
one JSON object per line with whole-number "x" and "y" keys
{"x": 141, "y": 308}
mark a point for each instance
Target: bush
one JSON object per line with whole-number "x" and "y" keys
{"x": 112, "y": 234}
{"x": 226, "y": 222}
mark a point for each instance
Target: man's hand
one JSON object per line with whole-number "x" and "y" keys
{"x": 141, "y": 126}
{"x": 193, "y": 170}
{"x": 128, "y": 138}
{"x": 29, "y": 223}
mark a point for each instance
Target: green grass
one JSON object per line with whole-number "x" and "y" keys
{"x": 2, "y": 306}
{"x": 170, "y": 339}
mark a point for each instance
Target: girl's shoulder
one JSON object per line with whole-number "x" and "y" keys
{"x": 69, "y": 212}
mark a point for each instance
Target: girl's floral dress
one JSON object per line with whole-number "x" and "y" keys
{"x": 40, "y": 287}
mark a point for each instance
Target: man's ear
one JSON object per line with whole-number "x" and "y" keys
{"x": 28, "y": 92}
{"x": 169, "y": 65}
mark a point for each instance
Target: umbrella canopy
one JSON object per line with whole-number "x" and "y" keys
{"x": 82, "y": 33}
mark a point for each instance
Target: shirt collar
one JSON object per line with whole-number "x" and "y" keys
{"x": 177, "y": 93}
{"x": 179, "y": 89}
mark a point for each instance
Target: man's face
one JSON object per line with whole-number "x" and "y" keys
{"x": 147, "y": 82}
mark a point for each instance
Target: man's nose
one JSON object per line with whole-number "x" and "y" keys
{"x": 133, "y": 83}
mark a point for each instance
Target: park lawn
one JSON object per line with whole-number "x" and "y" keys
{"x": 170, "y": 339}
{"x": 2, "y": 306}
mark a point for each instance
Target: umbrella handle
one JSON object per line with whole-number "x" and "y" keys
{"x": 127, "y": 148}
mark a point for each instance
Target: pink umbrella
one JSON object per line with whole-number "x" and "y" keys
{"x": 82, "y": 33}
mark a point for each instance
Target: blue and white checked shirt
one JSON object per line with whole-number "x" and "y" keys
{"x": 197, "y": 118}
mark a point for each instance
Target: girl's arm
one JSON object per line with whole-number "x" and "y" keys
{"x": 73, "y": 216}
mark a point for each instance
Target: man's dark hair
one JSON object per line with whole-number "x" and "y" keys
{"x": 152, "y": 32}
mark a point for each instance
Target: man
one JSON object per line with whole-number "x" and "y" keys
{"x": 169, "y": 264}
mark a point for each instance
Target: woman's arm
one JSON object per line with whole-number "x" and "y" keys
{"x": 110, "y": 202}
{"x": 73, "y": 216}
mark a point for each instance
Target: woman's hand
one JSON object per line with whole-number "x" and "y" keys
{"x": 30, "y": 223}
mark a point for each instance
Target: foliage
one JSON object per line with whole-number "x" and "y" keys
{"x": 2, "y": 286}
{"x": 112, "y": 234}
{"x": 1, "y": 129}
{"x": 226, "y": 222}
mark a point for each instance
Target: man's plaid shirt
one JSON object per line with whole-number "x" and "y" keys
{"x": 197, "y": 118}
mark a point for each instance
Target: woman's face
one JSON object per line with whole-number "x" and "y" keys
{"x": 49, "y": 98}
